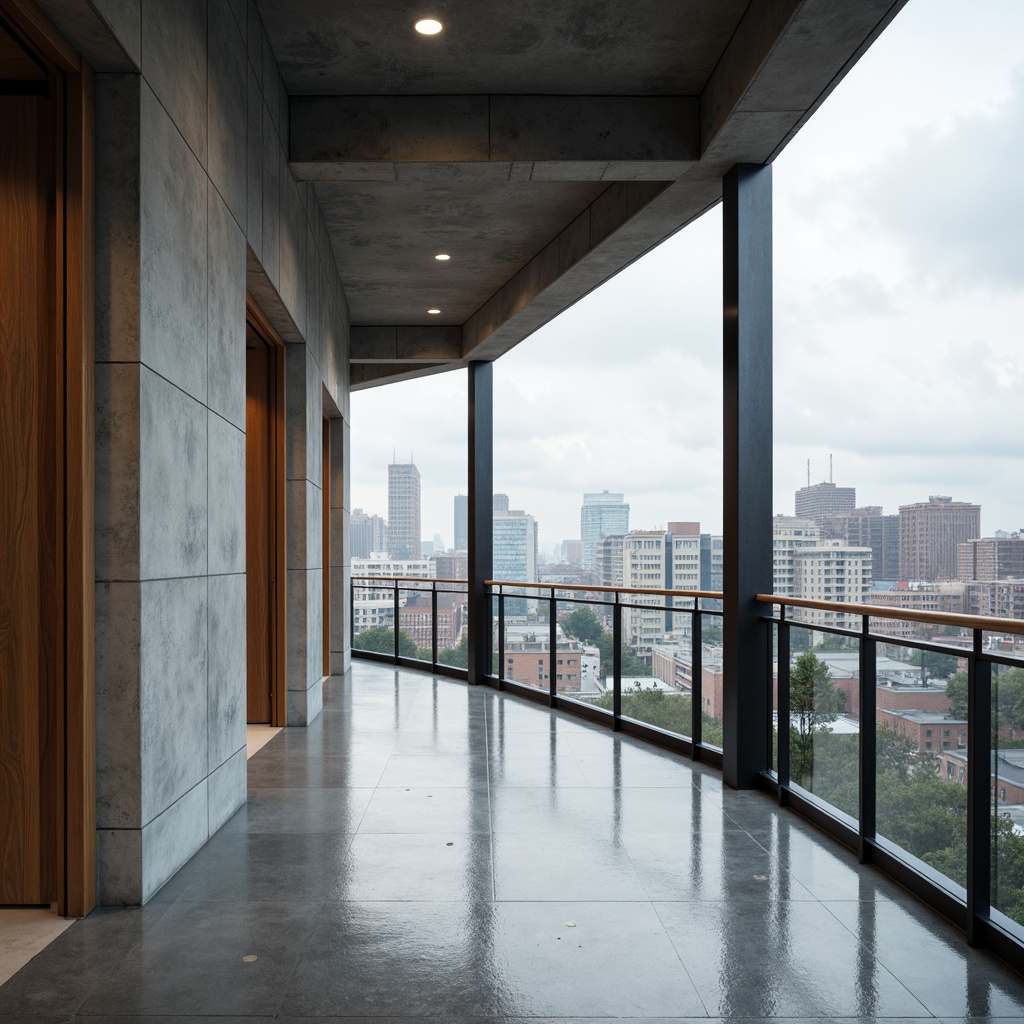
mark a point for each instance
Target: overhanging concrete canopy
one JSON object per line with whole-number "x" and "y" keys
{"x": 542, "y": 146}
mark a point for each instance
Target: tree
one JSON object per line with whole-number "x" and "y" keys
{"x": 956, "y": 691}
{"x": 456, "y": 657}
{"x": 584, "y": 625}
{"x": 711, "y": 633}
{"x": 1008, "y": 700}
{"x": 933, "y": 664}
{"x": 814, "y": 703}
{"x": 664, "y": 709}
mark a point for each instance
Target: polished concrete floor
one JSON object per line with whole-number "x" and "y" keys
{"x": 430, "y": 850}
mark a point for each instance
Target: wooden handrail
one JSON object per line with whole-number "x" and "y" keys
{"x": 406, "y": 579}
{"x": 880, "y": 611}
{"x": 717, "y": 594}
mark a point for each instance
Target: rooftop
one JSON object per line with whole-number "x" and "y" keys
{"x": 430, "y": 849}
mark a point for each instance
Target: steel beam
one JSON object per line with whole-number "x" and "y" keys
{"x": 747, "y": 481}
{"x": 481, "y": 516}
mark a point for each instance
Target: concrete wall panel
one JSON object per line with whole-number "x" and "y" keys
{"x": 226, "y": 123}
{"x": 118, "y": 716}
{"x": 226, "y": 693}
{"x": 226, "y": 313}
{"x": 226, "y": 489}
{"x": 173, "y": 244}
{"x": 174, "y": 63}
{"x": 173, "y": 480}
{"x": 173, "y": 691}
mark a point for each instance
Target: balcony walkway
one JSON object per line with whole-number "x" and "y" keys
{"x": 427, "y": 849}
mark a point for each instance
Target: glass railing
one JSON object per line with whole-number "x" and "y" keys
{"x": 906, "y": 730}
{"x": 430, "y": 615}
{"x": 647, "y": 660}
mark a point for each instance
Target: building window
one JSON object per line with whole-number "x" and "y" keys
{"x": 960, "y": 775}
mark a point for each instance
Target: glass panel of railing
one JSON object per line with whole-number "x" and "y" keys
{"x": 824, "y": 727}
{"x": 774, "y": 635}
{"x": 526, "y": 637}
{"x": 415, "y": 623}
{"x": 657, "y": 662}
{"x": 583, "y": 650}
{"x": 373, "y": 618}
{"x": 452, "y": 622}
{"x": 921, "y": 757}
{"x": 1007, "y": 792}
{"x": 711, "y": 680}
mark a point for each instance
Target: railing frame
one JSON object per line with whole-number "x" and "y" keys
{"x": 970, "y": 908}
{"x": 692, "y": 746}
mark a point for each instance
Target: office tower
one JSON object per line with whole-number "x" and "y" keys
{"x": 834, "y": 572}
{"x": 461, "y": 523}
{"x": 867, "y": 527}
{"x": 369, "y": 534}
{"x": 817, "y": 501}
{"x": 990, "y": 558}
{"x": 789, "y": 534}
{"x": 515, "y": 553}
{"x": 608, "y": 563}
{"x": 403, "y": 510}
{"x": 601, "y": 515}
{"x": 929, "y": 534}
{"x": 500, "y": 504}
{"x": 572, "y": 551}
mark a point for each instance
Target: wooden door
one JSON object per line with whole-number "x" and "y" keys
{"x": 31, "y": 509}
{"x": 259, "y": 562}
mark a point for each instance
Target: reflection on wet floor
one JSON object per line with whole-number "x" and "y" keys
{"x": 431, "y": 849}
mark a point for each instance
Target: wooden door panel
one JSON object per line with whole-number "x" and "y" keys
{"x": 30, "y": 506}
{"x": 258, "y": 551}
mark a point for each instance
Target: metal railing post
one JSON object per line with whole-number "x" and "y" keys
{"x": 696, "y": 679}
{"x": 433, "y": 624}
{"x": 782, "y": 714}
{"x": 617, "y": 665}
{"x": 868, "y": 741}
{"x": 979, "y": 776}
{"x": 501, "y": 638}
{"x": 396, "y": 594}
{"x": 552, "y": 645}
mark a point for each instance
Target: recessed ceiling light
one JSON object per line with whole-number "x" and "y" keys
{"x": 428, "y": 26}
{"x": 433, "y": 312}
{"x": 442, "y": 256}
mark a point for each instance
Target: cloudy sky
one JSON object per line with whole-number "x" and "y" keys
{"x": 899, "y": 320}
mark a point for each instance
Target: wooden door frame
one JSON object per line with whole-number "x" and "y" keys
{"x": 71, "y": 85}
{"x": 278, "y": 556}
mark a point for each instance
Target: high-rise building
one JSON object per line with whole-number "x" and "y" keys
{"x": 572, "y": 552}
{"x": 601, "y": 515}
{"x": 711, "y": 547}
{"x": 499, "y": 503}
{"x": 834, "y": 572}
{"x": 990, "y": 558}
{"x": 515, "y": 553}
{"x": 461, "y": 522}
{"x": 369, "y": 534}
{"x": 403, "y": 510}
{"x": 817, "y": 501}
{"x": 789, "y": 534}
{"x": 867, "y": 527}
{"x": 608, "y": 565}
{"x": 929, "y": 534}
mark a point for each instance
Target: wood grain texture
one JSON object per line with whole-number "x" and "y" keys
{"x": 67, "y": 727}
{"x": 29, "y": 546}
{"x": 258, "y": 538}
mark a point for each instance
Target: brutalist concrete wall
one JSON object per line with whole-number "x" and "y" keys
{"x": 195, "y": 206}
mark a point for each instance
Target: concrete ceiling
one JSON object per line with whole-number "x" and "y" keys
{"x": 544, "y": 145}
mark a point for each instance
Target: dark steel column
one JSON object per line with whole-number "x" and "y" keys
{"x": 481, "y": 516}
{"x": 747, "y": 481}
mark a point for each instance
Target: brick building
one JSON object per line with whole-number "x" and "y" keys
{"x": 929, "y": 534}
{"x": 929, "y": 731}
{"x": 1007, "y": 781}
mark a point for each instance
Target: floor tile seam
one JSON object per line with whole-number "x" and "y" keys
{"x": 682, "y": 964}
{"x": 875, "y": 957}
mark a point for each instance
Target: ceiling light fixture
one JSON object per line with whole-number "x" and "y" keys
{"x": 443, "y": 257}
{"x": 428, "y": 26}
{"x": 433, "y": 312}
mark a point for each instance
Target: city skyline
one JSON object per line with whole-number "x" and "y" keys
{"x": 897, "y": 300}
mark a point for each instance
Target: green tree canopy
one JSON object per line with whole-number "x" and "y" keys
{"x": 584, "y": 625}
